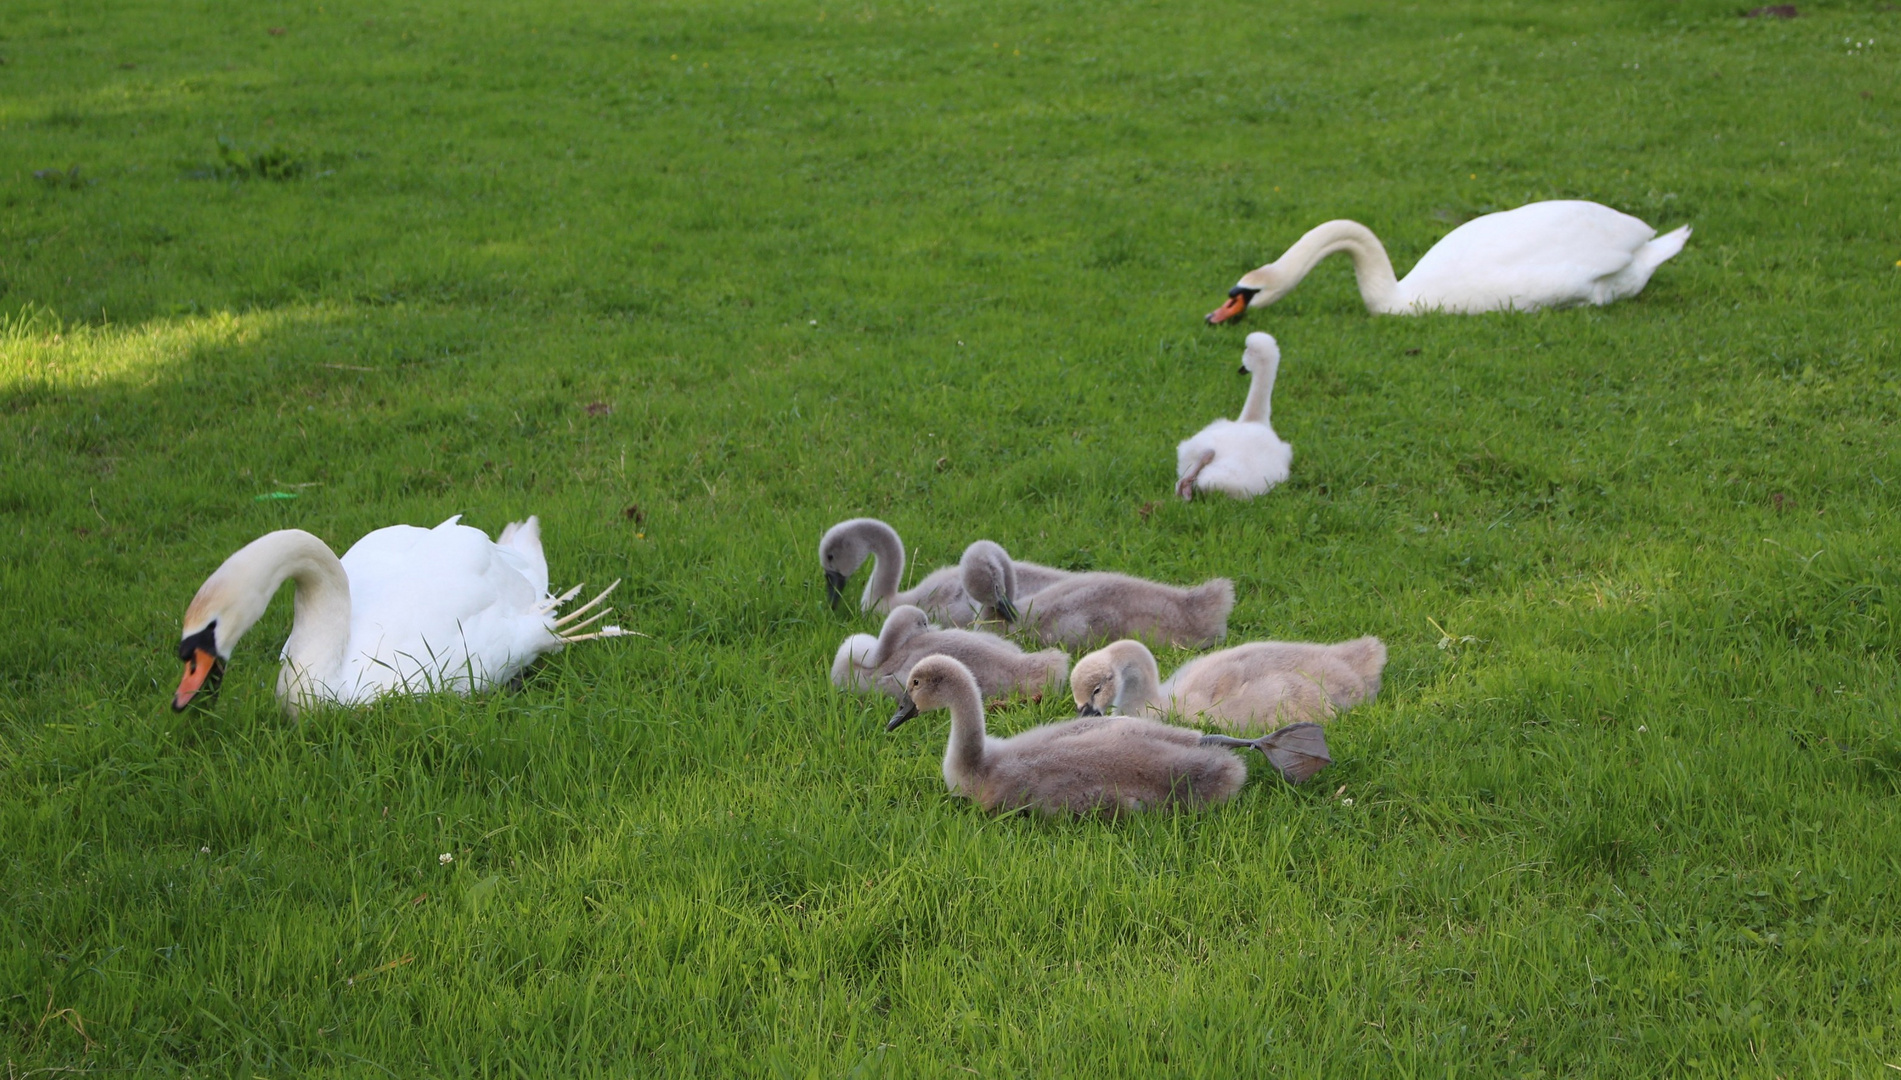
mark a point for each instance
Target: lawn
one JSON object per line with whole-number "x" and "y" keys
{"x": 692, "y": 281}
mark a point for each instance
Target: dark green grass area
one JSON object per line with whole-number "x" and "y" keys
{"x": 694, "y": 281}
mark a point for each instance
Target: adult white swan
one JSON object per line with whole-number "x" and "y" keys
{"x": 1545, "y": 254}
{"x": 406, "y": 610}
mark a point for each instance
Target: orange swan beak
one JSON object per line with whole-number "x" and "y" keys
{"x": 200, "y": 667}
{"x": 1236, "y": 306}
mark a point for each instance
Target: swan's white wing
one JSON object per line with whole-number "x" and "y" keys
{"x": 520, "y": 544}
{"x": 396, "y": 541}
{"x": 1249, "y": 458}
{"x": 1541, "y": 255}
{"x": 441, "y": 608}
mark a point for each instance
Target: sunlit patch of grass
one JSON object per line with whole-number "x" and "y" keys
{"x": 38, "y": 350}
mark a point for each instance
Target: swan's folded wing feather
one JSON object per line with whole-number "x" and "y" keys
{"x": 395, "y": 541}
{"x": 1544, "y": 253}
{"x": 1249, "y": 458}
{"x": 442, "y": 610}
{"x": 520, "y": 546}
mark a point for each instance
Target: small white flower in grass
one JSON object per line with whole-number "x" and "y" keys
{"x": 814, "y": 322}
{"x": 1348, "y": 801}
{"x": 206, "y": 850}
{"x": 445, "y": 858}
{"x": 1642, "y": 728}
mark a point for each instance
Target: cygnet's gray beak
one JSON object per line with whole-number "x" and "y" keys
{"x": 1007, "y": 609}
{"x": 1088, "y": 708}
{"x": 834, "y": 587}
{"x": 906, "y": 710}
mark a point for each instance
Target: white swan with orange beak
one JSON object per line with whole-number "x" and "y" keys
{"x": 1543, "y": 254}
{"x": 405, "y": 611}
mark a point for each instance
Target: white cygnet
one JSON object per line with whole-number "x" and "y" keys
{"x": 1242, "y": 457}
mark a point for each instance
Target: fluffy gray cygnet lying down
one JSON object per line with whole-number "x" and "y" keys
{"x": 1108, "y": 765}
{"x": 845, "y": 547}
{"x": 998, "y": 586}
{"x": 1078, "y": 609}
{"x": 999, "y": 665}
{"x": 1250, "y": 687}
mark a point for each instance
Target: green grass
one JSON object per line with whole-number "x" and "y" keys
{"x": 944, "y": 263}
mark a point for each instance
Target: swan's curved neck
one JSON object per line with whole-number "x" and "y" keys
{"x": 241, "y": 589}
{"x": 887, "y": 568}
{"x": 891, "y": 635}
{"x": 1138, "y": 682}
{"x": 319, "y": 641}
{"x": 1260, "y": 402}
{"x": 963, "y": 757}
{"x": 1007, "y": 577}
{"x": 996, "y": 583}
{"x": 1371, "y": 265}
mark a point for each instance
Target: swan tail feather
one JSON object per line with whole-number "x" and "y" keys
{"x": 577, "y": 612}
{"x": 553, "y": 602}
{"x": 1217, "y": 597}
{"x": 521, "y": 534}
{"x": 1631, "y": 280}
{"x": 570, "y": 630}
{"x": 565, "y": 628}
{"x": 1366, "y": 656}
{"x": 524, "y": 539}
{"x": 606, "y": 632}
{"x": 1653, "y": 254}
